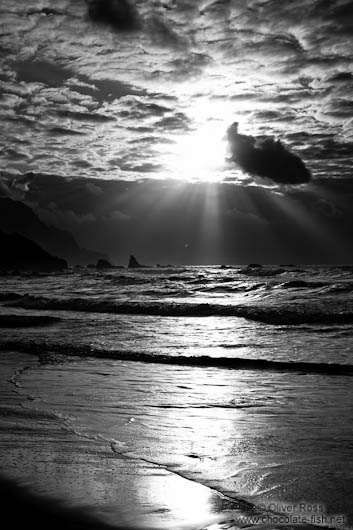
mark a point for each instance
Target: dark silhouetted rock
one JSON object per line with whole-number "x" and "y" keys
{"x": 21, "y": 254}
{"x": 104, "y": 264}
{"x": 16, "y": 216}
{"x": 134, "y": 264}
{"x": 260, "y": 271}
{"x": 255, "y": 265}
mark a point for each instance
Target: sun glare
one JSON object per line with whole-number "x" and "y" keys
{"x": 200, "y": 154}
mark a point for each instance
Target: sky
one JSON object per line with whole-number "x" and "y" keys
{"x": 115, "y": 115}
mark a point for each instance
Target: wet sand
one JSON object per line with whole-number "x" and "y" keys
{"x": 55, "y": 476}
{"x": 138, "y": 445}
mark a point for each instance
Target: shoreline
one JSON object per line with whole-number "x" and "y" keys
{"x": 70, "y": 351}
{"x": 113, "y": 441}
{"x": 65, "y": 477}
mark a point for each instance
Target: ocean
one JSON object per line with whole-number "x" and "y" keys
{"x": 218, "y": 396}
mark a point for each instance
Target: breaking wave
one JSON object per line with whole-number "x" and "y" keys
{"x": 53, "y": 352}
{"x": 282, "y": 314}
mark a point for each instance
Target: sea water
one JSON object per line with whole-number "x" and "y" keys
{"x": 238, "y": 379}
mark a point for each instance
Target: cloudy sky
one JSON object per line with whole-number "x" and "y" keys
{"x": 115, "y": 114}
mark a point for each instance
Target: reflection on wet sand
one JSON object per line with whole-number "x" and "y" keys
{"x": 77, "y": 479}
{"x": 153, "y": 445}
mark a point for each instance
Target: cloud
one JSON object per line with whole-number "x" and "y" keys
{"x": 339, "y": 108}
{"x": 123, "y": 15}
{"x": 105, "y": 90}
{"x": 85, "y": 116}
{"x": 120, "y": 14}
{"x": 44, "y": 11}
{"x": 341, "y": 77}
{"x": 94, "y": 189}
{"x": 45, "y": 72}
{"x": 174, "y": 122}
{"x": 116, "y": 215}
{"x": 274, "y": 115}
{"x": 68, "y": 69}
{"x": 163, "y": 34}
{"x": 53, "y": 216}
{"x": 62, "y": 131}
{"x": 266, "y": 157}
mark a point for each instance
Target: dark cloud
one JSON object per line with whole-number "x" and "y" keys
{"x": 62, "y": 131}
{"x": 339, "y": 108}
{"x": 265, "y": 157}
{"x": 137, "y": 109}
{"x": 217, "y": 6}
{"x": 328, "y": 148}
{"x": 188, "y": 65}
{"x": 274, "y": 115}
{"x": 162, "y": 33}
{"x": 142, "y": 168}
{"x": 49, "y": 73}
{"x": 281, "y": 46}
{"x": 341, "y": 77}
{"x": 123, "y": 15}
{"x": 85, "y": 116}
{"x": 44, "y": 11}
{"x": 52, "y": 74}
{"x": 120, "y": 14}
{"x": 175, "y": 122}
{"x": 104, "y": 89}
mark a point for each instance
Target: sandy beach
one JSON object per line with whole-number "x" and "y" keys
{"x": 156, "y": 445}
{"x": 61, "y": 475}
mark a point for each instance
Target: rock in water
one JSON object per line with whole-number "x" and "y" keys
{"x": 103, "y": 264}
{"x": 133, "y": 263}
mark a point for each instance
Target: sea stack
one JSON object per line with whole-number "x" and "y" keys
{"x": 104, "y": 264}
{"x": 134, "y": 264}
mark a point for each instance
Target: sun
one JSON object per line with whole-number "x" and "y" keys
{"x": 200, "y": 154}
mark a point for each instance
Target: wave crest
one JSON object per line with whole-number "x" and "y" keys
{"x": 50, "y": 352}
{"x": 295, "y": 314}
